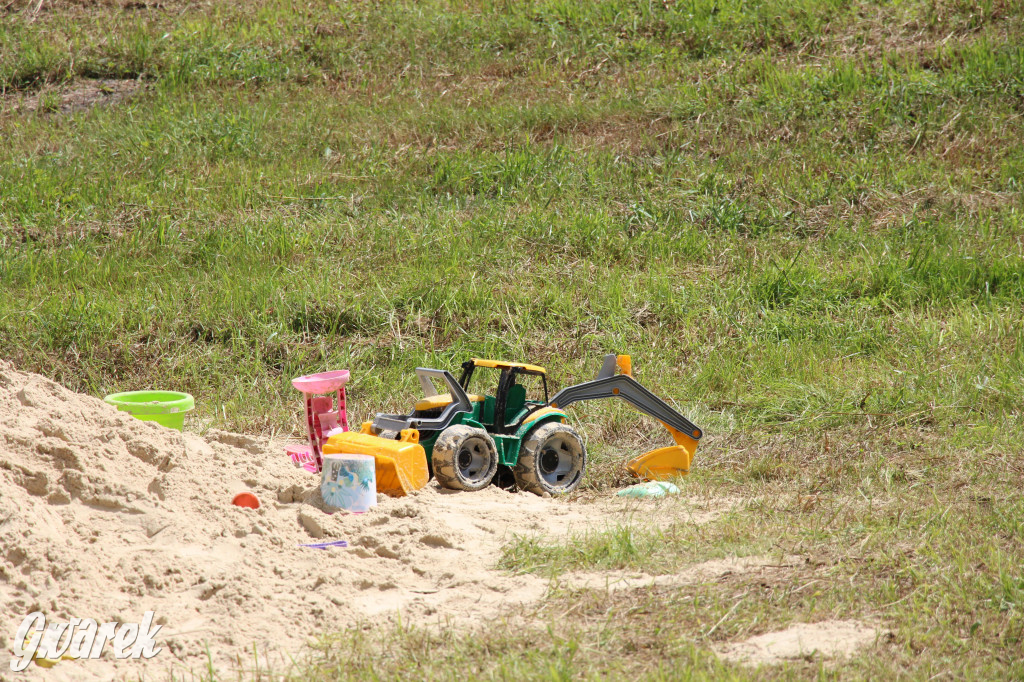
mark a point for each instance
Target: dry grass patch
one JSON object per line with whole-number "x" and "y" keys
{"x": 71, "y": 97}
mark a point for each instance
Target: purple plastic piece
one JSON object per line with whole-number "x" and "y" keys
{"x": 325, "y": 545}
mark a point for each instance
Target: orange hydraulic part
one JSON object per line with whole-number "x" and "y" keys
{"x": 625, "y": 365}
{"x": 401, "y": 464}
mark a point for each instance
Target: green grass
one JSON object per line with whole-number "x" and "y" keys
{"x": 803, "y": 220}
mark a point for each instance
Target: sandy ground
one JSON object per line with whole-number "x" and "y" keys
{"x": 831, "y": 640}
{"x": 103, "y": 516}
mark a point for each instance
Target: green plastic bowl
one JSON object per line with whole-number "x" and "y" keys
{"x": 166, "y": 408}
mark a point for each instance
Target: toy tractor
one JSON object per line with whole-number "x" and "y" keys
{"x": 464, "y": 438}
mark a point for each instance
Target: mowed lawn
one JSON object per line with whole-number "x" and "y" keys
{"x": 802, "y": 219}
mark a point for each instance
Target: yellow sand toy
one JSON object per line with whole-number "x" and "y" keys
{"x": 517, "y": 434}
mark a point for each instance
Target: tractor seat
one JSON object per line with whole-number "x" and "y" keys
{"x": 514, "y": 401}
{"x": 438, "y": 401}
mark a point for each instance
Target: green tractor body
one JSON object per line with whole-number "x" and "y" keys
{"x": 506, "y": 416}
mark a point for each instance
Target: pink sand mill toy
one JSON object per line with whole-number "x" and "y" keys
{"x": 323, "y": 417}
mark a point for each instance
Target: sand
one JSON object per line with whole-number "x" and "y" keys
{"x": 103, "y": 516}
{"x": 830, "y": 640}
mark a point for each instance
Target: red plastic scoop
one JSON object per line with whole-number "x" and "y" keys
{"x": 246, "y": 500}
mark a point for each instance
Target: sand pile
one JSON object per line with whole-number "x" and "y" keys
{"x": 103, "y": 516}
{"x": 830, "y": 640}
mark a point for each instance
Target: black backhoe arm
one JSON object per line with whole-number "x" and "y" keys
{"x": 629, "y": 389}
{"x": 660, "y": 464}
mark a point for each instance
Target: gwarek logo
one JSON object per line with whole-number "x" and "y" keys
{"x": 82, "y": 638}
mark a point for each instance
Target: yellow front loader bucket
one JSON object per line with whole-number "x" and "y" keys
{"x": 401, "y": 464}
{"x": 665, "y": 463}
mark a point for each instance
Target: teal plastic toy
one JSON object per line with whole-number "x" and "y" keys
{"x": 650, "y": 489}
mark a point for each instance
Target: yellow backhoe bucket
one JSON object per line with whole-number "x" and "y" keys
{"x": 401, "y": 464}
{"x": 665, "y": 463}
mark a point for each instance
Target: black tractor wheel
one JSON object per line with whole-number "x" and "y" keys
{"x": 552, "y": 460}
{"x": 465, "y": 458}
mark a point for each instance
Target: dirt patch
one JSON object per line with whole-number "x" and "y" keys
{"x": 715, "y": 569}
{"x": 831, "y": 639}
{"x": 32, "y": 10}
{"x": 76, "y": 96}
